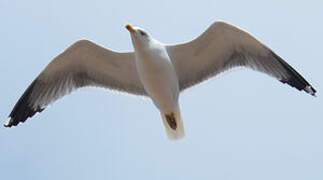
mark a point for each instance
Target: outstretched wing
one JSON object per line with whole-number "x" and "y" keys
{"x": 82, "y": 64}
{"x": 223, "y": 46}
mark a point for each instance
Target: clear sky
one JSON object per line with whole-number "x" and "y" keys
{"x": 240, "y": 125}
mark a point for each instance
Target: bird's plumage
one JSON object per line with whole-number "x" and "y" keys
{"x": 176, "y": 67}
{"x": 223, "y": 46}
{"x": 159, "y": 78}
{"x": 82, "y": 64}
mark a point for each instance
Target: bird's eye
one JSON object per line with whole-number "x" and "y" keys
{"x": 142, "y": 33}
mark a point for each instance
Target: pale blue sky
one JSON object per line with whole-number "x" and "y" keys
{"x": 240, "y": 125}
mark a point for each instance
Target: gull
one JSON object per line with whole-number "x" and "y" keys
{"x": 154, "y": 70}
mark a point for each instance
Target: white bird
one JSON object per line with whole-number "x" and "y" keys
{"x": 155, "y": 70}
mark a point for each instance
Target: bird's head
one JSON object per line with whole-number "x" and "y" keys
{"x": 138, "y": 35}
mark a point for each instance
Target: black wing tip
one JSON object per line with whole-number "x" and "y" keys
{"x": 301, "y": 86}
{"x": 11, "y": 123}
{"x": 309, "y": 89}
{"x": 295, "y": 79}
{"x": 23, "y": 108}
{"x": 7, "y": 125}
{"x": 21, "y": 116}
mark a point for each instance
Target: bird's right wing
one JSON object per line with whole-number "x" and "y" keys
{"x": 82, "y": 64}
{"x": 223, "y": 46}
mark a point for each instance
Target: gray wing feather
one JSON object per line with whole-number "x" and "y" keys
{"x": 223, "y": 46}
{"x": 82, "y": 64}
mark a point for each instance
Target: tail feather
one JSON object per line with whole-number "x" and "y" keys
{"x": 173, "y": 124}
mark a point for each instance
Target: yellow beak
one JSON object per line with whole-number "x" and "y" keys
{"x": 130, "y": 28}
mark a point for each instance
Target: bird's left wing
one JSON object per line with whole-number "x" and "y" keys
{"x": 223, "y": 46}
{"x": 82, "y": 64}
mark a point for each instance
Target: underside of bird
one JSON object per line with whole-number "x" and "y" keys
{"x": 220, "y": 48}
{"x": 173, "y": 125}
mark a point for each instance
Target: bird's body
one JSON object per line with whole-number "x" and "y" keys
{"x": 155, "y": 70}
{"x": 158, "y": 76}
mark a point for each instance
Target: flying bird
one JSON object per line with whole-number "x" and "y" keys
{"x": 154, "y": 70}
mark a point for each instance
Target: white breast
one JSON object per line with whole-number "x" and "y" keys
{"x": 158, "y": 76}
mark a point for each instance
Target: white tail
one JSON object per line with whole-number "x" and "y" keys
{"x": 173, "y": 124}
